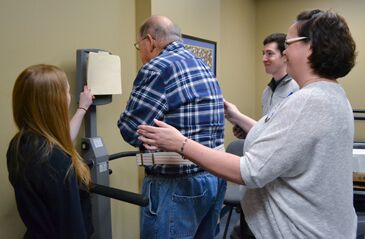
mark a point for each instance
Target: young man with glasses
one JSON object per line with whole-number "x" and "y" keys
{"x": 175, "y": 86}
{"x": 281, "y": 84}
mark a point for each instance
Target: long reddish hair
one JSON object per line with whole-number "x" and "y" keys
{"x": 40, "y": 106}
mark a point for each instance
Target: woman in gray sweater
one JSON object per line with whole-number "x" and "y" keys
{"x": 298, "y": 157}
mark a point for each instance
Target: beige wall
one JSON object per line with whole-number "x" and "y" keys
{"x": 237, "y": 61}
{"x": 197, "y": 18}
{"x": 40, "y": 31}
{"x": 276, "y": 16}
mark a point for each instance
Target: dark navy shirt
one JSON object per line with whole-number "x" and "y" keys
{"x": 50, "y": 203}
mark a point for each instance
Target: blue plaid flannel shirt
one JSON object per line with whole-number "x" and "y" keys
{"x": 181, "y": 90}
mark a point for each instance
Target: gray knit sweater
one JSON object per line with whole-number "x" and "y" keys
{"x": 298, "y": 167}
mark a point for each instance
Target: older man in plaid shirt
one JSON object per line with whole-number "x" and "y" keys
{"x": 175, "y": 86}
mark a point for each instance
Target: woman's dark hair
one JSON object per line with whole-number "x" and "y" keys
{"x": 333, "y": 48}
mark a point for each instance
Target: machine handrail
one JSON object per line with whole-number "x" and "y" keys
{"x": 358, "y": 111}
{"x": 357, "y": 117}
{"x": 359, "y": 145}
{"x": 130, "y": 197}
{"x": 122, "y": 154}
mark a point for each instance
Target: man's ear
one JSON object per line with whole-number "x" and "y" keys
{"x": 309, "y": 50}
{"x": 151, "y": 42}
{"x": 285, "y": 58}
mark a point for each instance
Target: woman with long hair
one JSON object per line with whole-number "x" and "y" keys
{"x": 49, "y": 177}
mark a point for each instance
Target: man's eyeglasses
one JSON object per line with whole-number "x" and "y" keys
{"x": 293, "y": 40}
{"x": 269, "y": 54}
{"x": 136, "y": 45}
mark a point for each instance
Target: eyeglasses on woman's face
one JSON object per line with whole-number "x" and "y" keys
{"x": 290, "y": 41}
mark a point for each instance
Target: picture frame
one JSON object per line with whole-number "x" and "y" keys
{"x": 202, "y": 48}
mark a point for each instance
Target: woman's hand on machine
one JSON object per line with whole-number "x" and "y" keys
{"x": 163, "y": 137}
{"x": 86, "y": 98}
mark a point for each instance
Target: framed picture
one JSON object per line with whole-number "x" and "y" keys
{"x": 202, "y": 48}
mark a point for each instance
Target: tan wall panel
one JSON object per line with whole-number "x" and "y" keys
{"x": 39, "y": 31}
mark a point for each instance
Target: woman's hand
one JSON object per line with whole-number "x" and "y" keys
{"x": 164, "y": 137}
{"x": 242, "y": 123}
{"x": 86, "y": 98}
{"x": 231, "y": 112}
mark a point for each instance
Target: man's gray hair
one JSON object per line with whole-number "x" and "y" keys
{"x": 162, "y": 29}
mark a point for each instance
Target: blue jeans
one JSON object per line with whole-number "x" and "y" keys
{"x": 182, "y": 206}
